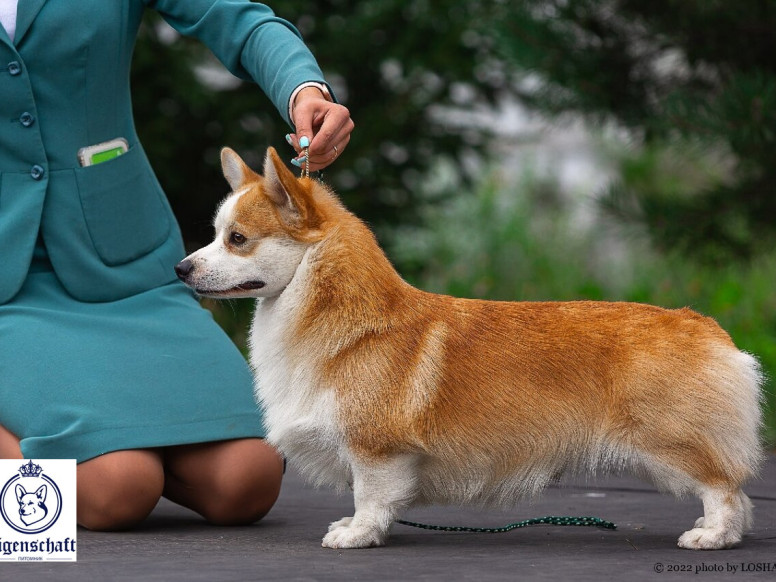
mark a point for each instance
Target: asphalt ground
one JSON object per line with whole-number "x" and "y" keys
{"x": 174, "y": 544}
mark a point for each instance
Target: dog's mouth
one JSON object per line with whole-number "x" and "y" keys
{"x": 247, "y": 286}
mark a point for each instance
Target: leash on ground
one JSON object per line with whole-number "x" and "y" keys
{"x": 548, "y": 520}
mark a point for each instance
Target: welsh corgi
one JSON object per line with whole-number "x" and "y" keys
{"x": 32, "y": 506}
{"x": 416, "y": 398}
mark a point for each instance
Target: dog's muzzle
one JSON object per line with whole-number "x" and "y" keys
{"x": 185, "y": 268}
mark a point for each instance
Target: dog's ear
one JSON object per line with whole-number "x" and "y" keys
{"x": 236, "y": 171}
{"x": 20, "y": 492}
{"x": 291, "y": 196}
{"x": 41, "y": 493}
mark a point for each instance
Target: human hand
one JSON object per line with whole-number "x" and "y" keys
{"x": 325, "y": 126}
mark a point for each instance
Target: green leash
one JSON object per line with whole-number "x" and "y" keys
{"x": 548, "y": 520}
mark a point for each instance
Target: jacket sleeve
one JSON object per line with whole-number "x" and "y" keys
{"x": 250, "y": 40}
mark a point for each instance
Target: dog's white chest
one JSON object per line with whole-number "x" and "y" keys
{"x": 300, "y": 414}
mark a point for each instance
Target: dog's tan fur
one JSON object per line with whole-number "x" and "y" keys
{"x": 422, "y": 398}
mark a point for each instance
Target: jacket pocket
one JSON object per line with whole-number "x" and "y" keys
{"x": 125, "y": 210}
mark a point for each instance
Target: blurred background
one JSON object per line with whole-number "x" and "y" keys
{"x": 517, "y": 149}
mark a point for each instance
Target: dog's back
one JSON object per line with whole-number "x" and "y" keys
{"x": 509, "y": 395}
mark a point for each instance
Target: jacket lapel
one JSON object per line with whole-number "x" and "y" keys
{"x": 27, "y": 11}
{"x": 4, "y": 37}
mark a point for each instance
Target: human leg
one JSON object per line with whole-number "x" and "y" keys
{"x": 228, "y": 482}
{"x": 232, "y": 482}
{"x": 9, "y": 445}
{"x": 114, "y": 491}
{"x": 118, "y": 490}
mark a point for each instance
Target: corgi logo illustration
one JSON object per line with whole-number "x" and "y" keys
{"x": 38, "y": 510}
{"x": 32, "y": 506}
{"x": 30, "y": 501}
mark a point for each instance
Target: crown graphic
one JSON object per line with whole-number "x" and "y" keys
{"x": 30, "y": 470}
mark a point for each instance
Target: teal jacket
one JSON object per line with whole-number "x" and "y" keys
{"x": 64, "y": 84}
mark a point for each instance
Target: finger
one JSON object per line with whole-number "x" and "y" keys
{"x": 327, "y": 155}
{"x": 320, "y": 157}
{"x": 324, "y": 123}
{"x": 320, "y": 161}
{"x": 296, "y": 142}
{"x": 322, "y": 126}
{"x": 292, "y": 140}
{"x": 335, "y": 129}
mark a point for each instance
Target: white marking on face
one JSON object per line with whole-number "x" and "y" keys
{"x": 265, "y": 272}
{"x": 226, "y": 210}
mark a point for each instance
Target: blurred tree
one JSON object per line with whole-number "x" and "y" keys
{"x": 682, "y": 73}
{"x": 391, "y": 62}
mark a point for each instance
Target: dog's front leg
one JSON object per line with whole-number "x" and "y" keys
{"x": 381, "y": 491}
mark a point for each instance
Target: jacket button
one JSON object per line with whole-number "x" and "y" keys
{"x": 14, "y": 68}
{"x": 36, "y": 172}
{"x": 27, "y": 119}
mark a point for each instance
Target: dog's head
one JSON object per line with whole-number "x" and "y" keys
{"x": 263, "y": 229}
{"x": 32, "y": 506}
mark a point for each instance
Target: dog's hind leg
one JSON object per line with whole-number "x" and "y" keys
{"x": 727, "y": 511}
{"x": 708, "y": 445}
{"x": 727, "y": 515}
{"x": 381, "y": 491}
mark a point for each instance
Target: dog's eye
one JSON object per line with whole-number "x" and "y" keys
{"x": 237, "y": 239}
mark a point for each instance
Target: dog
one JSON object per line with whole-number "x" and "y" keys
{"x": 415, "y": 398}
{"x": 32, "y": 506}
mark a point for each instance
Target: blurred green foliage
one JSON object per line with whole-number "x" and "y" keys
{"x": 676, "y": 73}
{"x": 391, "y": 62}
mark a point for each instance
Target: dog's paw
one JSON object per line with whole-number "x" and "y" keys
{"x": 344, "y": 522}
{"x": 347, "y": 536}
{"x": 701, "y": 538}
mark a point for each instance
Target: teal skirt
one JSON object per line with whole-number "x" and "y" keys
{"x": 78, "y": 380}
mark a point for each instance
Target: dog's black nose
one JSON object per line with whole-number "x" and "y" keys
{"x": 183, "y": 268}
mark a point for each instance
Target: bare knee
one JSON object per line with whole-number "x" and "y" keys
{"x": 118, "y": 490}
{"x": 228, "y": 483}
{"x": 243, "y": 501}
